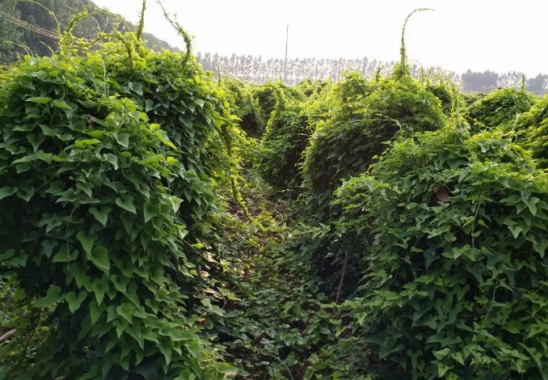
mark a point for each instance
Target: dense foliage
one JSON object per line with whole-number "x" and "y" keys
{"x": 267, "y": 96}
{"x": 499, "y": 109}
{"x": 246, "y": 107}
{"x": 106, "y": 166}
{"x": 532, "y": 127}
{"x": 443, "y": 93}
{"x": 451, "y": 230}
{"x": 286, "y": 137}
{"x": 160, "y": 223}
{"x": 368, "y": 115}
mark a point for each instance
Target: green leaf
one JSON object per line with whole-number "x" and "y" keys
{"x": 7, "y": 191}
{"x": 193, "y": 348}
{"x": 79, "y": 272}
{"x": 149, "y": 211}
{"x": 26, "y": 196}
{"x": 532, "y": 204}
{"x": 227, "y": 370}
{"x": 54, "y": 294}
{"x": 477, "y": 271}
{"x": 99, "y": 257}
{"x": 96, "y": 134}
{"x": 86, "y": 142}
{"x": 386, "y": 351}
{"x": 39, "y": 100}
{"x": 442, "y": 369}
{"x": 126, "y": 202}
{"x": 153, "y": 159}
{"x": 149, "y": 371}
{"x": 441, "y": 354}
{"x": 47, "y": 131}
{"x": 55, "y": 187}
{"x": 36, "y": 140}
{"x": 47, "y": 247}
{"x": 100, "y": 287}
{"x": 125, "y": 311}
{"x": 162, "y": 136}
{"x": 63, "y": 256}
{"x": 136, "y": 87}
{"x": 95, "y": 311}
{"x": 101, "y": 215}
{"x": 166, "y": 349}
{"x": 458, "y": 358}
{"x": 7, "y": 255}
{"x": 62, "y": 104}
{"x": 112, "y": 159}
{"x": 361, "y": 317}
{"x": 120, "y": 284}
{"x": 74, "y": 301}
{"x": 445, "y": 341}
{"x": 86, "y": 188}
{"x": 516, "y": 230}
{"x": 86, "y": 241}
{"x": 122, "y": 139}
{"x": 149, "y": 105}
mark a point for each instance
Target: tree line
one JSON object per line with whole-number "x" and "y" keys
{"x": 258, "y": 70}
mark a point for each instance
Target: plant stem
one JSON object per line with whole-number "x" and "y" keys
{"x": 7, "y": 335}
{"x": 341, "y": 283}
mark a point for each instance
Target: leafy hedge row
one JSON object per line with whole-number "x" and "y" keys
{"x": 240, "y": 97}
{"x": 106, "y": 166}
{"x": 450, "y": 228}
{"x": 286, "y": 137}
{"x": 368, "y": 116}
{"x": 436, "y": 239}
{"x": 500, "y": 108}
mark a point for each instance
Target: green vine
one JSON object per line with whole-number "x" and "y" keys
{"x": 402, "y": 69}
{"x": 141, "y": 25}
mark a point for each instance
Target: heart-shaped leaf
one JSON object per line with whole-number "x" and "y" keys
{"x": 100, "y": 288}
{"x": 53, "y": 295}
{"x": 75, "y": 301}
{"x": 99, "y": 257}
{"x": 86, "y": 241}
{"x": 126, "y": 202}
{"x": 7, "y": 191}
{"x": 125, "y": 311}
{"x": 101, "y": 215}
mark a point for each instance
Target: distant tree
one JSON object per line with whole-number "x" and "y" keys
{"x": 479, "y": 81}
{"x": 511, "y": 79}
{"x": 537, "y": 85}
{"x": 10, "y": 35}
{"x": 36, "y": 15}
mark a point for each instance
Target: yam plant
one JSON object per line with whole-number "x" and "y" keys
{"x": 107, "y": 160}
{"x": 361, "y": 129}
{"x": 286, "y": 137}
{"x": 411, "y": 246}
{"x": 240, "y": 97}
{"x": 451, "y": 231}
{"x": 500, "y": 108}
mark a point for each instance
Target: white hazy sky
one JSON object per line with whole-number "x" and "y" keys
{"x": 482, "y": 35}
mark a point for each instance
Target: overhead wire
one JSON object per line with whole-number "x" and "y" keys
{"x": 29, "y": 26}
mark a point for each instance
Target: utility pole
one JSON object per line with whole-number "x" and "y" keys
{"x": 286, "y": 44}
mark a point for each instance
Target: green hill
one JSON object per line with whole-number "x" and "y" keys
{"x": 22, "y": 25}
